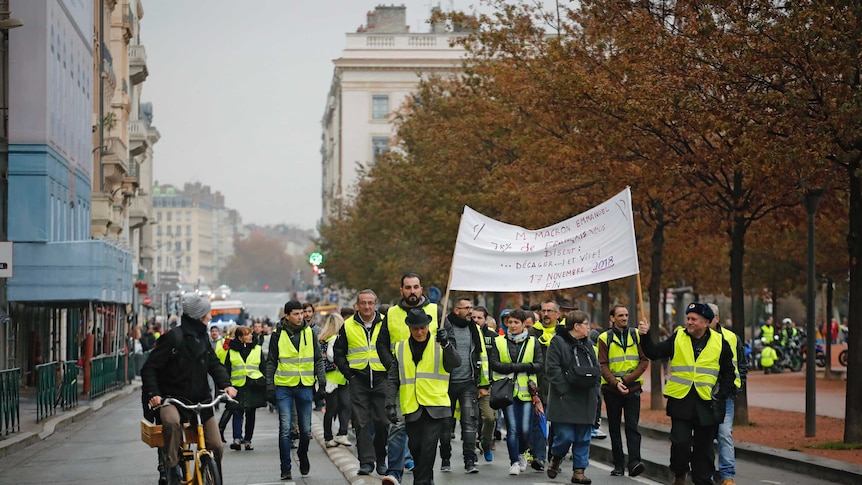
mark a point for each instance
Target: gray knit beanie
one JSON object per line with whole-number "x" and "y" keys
{"x": 195, "y": 306}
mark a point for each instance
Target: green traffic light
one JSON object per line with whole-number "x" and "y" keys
{"x": 315, "y": 258}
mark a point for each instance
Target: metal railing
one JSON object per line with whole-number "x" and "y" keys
{"x": 46, "y": 390}
{"x": 69, "y": 387}
{"x": 107, "y": 372}
{"x": 10, "y": 412}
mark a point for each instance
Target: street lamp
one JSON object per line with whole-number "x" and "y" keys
{"x": 812, "y": 201}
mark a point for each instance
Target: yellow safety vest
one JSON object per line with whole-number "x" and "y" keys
{"x": 767, "y": 332}
{"x": 732, "y": 340}
{"x": 240, "y": 370}
{"x": 335, "y": 375}
{"x": 767, "y": 357}
{"x": 686, "y": 372}
{"x": 360, "y": 351}
{"x": 522, "y": 390}
{"x": 295, "y": 366}
{"x": 396, "y": 318}
{"x": 547, "y": 333}
{"x": 220, "y": 351}
{"x": 621, "y": 363}
{"x": 426, "y": 384}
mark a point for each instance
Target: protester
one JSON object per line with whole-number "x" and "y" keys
{"x": 337, "y": 390}
{"x": 245, "y": 366}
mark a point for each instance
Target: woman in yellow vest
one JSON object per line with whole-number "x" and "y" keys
{"x": 337, "y": 391}
{"x": 521, "y": 357}
{"x": 245, "y": 366}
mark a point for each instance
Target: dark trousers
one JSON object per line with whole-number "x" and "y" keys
{"x": 249, "y": 414}
{"x": 629, "y": 405}
{"x": 691, "y": 445}
{"x": 337, "y": 405}
{"x": 465, "y": 393}
{"x": 422, "y": 437}
{"x": 369, "y": 407}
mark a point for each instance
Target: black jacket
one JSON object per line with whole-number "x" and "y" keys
{"x": 179, "y": 364}
{"x": 571, "y": 399}
{"x": 537, "y": 366}
{"x": 384, "y": 347}
{"x": 366, "y": 376}
{"x": 253, "y": 393}
{"x": 475, "y": 362}
{"x": 451, "y": 360}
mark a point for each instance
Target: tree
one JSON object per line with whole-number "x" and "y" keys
{"x": 259, "y": 261}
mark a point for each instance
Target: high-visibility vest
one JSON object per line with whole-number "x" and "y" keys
{"x": 547, "y": 332}
{"x": 249, "y": 368}
{"x": 360, "y": 351}
{"x": 767, "y": 332}
{"x": 335, "y": 375}
{"x": 220, "y": 351}
{"x": 295, "y": 366}
{"x": 396, "y": 318}
{"x": 425, "y": 384}
{"x": 686, "y": 372}
{"x": 522, "y": 390}
{"x": 767, "y": 357}
{"x": 732, "y": 340}
{"x": 485, "y": 378}
{"x": 622, "y": 362}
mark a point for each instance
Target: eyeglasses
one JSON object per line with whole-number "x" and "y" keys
{"x": 464, "y": 308}
{"x": 549, "y": 311}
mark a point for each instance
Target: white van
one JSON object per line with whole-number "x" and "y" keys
{"x": 226, "y": 314}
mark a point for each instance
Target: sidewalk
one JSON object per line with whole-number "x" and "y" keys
{"x": 33, "y": 432}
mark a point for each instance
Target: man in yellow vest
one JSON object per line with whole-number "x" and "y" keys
{"x": 419, "y": 380}
{"x": 726, "y": 450}
{"x": 701, "y": 378}
{"x": 293, "y": 366}
{"x": 623, "y": 363}
{"x": 356, "y": 356}
{"x": 767, "y": 331}
{"x": 395, "y": 329}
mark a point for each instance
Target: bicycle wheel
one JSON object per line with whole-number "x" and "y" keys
{"x": 842, "y": 358}
{"x": 209, "y": 471}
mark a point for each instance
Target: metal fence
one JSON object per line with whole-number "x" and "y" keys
{"x": 109, "y": 372}
{"x": 10, "y": 413}
{"x": 46, "y": 390}
{"x": 69, "y": 386}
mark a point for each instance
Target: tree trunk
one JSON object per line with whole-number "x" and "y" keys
{"x": 656, "y": 401}
{"x": 737, "y": 304}
{"x": 853, "y": 404}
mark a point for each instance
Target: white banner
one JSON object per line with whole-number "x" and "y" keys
{"x": 595, "y": 246}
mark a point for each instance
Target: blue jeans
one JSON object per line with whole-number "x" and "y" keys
{"x": 249, "y": 424}
{"x": 726, "y": 454}
{"x": 538, "y": 442}
{"x": 286, "y": 398}
{"x": 396, "y": 446}
{"x": 576, "y": 436}
{"x": 518, "y": 422}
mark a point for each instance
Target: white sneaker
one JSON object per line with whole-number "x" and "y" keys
{"x": 522, "y": 463}
{"x": 331, "y": 444}
{"x": 390, "y": 480}
{"x": 342, "y": 440}
{"x": 515, "y": 469}
{"x": 597, "y": 433}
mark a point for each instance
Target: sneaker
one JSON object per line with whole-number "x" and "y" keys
{"x": 445, "y": 466}
{"x": 617, "y": 471}
{"x": 638, "y": 467}
{"x": 304, "y": 465}
{"x": 342, "y": 440}
{"x": 598, "y": 434}
{"x": 365, "y": 470}
{"x": 236, "y": 445}
{"x": 248, "y": 446}
{"x": 538, "y": 465}
{"x": 381, "y": 469}
{"x": 285, "y": 475}
{"x": 390, "y": 480}
{"x": 470, "y": 467}
{"x": 331, "y": 444}
{"x": 522, "y": 463}
{"x": 409, "y": 465}
{"x": 515, "y": 469}
{"x": 489, "y": 455}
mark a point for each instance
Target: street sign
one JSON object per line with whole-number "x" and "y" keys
{"x": 147, "y": 301}
{"x": 434, "y": 294}
{"x": 5, "y": 259}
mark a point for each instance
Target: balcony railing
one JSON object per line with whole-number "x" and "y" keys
{"x": 137, "y": 64}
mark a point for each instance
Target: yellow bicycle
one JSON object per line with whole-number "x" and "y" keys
{"x": 197, "y": 462}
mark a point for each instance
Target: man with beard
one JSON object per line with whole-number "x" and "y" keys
{"x": 395, "y": 330}
{"x": 467, "y": 383}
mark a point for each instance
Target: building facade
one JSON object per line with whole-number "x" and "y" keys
{"x": 380, "y": 67}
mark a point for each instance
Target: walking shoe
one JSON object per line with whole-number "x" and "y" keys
{"x": 390, "y": 480}
{"x": 728, "y": 481}
{"x": 598, "y": 434}
{"x": 343, "y": 440}
{"x": 522, "y": 462}
{"x": 617, "y": 471}
{"x": 248, "y": 446}
{"x": 331, "y": 444}
{"x": 638, "y": 467}
{"x": 489, "y": 455}
{"x": 515, "y": 469}
{"x": 470, "y": 467}
{"x": 498, "y": 435}
{"x": 579, "y": 477}
{"x": 365, "y": 470}
{"x": 554, "y": 466}
{"x": 445, "y": 466}
{"x": 236, "y": 445}
{"x": 538, "y": 465}
{"x": 285, "y": 475}
{"x": 304, "y": 465}
{"x": 381, "y": 469}
{"x": 409, "y": 465}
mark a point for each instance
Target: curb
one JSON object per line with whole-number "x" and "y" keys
{"x": 793, "y": 461}
{"x": 343, "y": 459}
{"x": 64, "y": 419}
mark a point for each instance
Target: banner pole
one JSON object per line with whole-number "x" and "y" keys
{"x": 640, "y": 299}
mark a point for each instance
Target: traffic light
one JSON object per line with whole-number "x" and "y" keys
{"x": 315, "y": 258}
{"x": 315, "y": 268}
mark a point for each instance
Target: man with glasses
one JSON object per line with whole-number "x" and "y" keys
{"x": 467, "y": 383}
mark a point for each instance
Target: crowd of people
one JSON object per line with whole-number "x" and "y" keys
{"x": 403, "y": 376}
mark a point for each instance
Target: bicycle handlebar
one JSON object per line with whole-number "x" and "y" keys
{"x": 197, "y": 408}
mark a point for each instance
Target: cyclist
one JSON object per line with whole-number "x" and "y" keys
{"x": 178, "y": 367}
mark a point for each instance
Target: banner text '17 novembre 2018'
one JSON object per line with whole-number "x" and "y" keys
{"x": 595, "y": 246}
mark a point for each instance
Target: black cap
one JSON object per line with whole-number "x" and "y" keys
{"x": 417, "y": 318}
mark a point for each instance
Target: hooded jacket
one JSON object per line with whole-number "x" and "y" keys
{"x": 568, "y": 400}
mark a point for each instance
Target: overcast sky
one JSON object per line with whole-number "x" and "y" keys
{"x": 238, "y": 90}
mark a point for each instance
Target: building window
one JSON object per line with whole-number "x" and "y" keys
{"x": 159, "y": 262}
{"x": 169, "y": 216}
{"x": 159, "y": 216}
{"x": 169, "y": 230}
{"x": 379, "y": 146}
{"x": 159, "y": 246}
{"x": 188, "y": 260}
{"x": 188, "y": 216}
{"x": 178, "y": 246}
{"x": 380, "y": 107}
{"x": 179, "y": 230}
{"x": 158, "y": 230}
{"x": 188, "y": 229}
{"x": 188, "y": 245}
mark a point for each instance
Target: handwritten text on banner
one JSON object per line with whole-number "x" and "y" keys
{"x": 597, "y": 245}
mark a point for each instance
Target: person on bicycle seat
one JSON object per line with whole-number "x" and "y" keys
{"x": 178, "y": 367}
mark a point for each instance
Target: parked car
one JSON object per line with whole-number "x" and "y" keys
{"x": 222, "y": 293}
